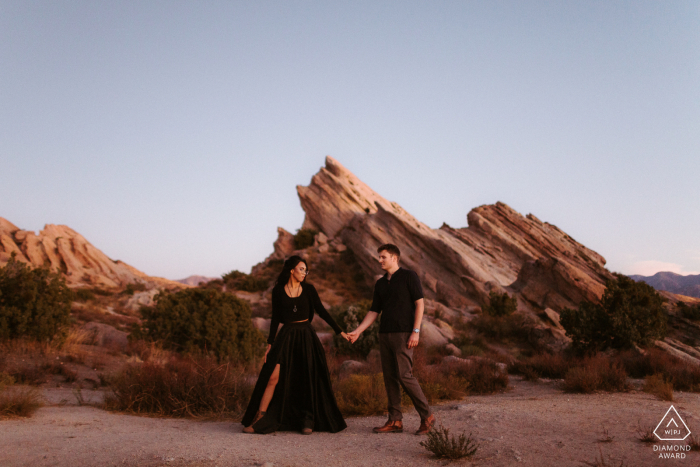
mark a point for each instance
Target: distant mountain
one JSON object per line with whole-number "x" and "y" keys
{"x": 672, "y": 282}
{"x": 66, "y": 251}
{"x": 195, "y": 280}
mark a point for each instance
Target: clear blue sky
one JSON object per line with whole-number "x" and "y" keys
{"x": 172, "y": 134}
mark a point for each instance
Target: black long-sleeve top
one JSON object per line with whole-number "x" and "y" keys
{"x": 286, "y": 309}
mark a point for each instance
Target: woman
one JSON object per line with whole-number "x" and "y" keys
{"x": 294, "y": 391}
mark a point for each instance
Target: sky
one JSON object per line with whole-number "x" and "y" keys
{"x": 172, "y": 134}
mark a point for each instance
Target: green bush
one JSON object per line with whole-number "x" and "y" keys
{"x": 202, "y": 321}
{"x": 349, "y": 318}
{"x": 629, "y": 313}
{"x": 304, "y": 238}
{"x": 131, "y": 288}
{"x": 691, "y": 312}
{"x": 241, "y": 281}
{"x": 34, "y": 303}
{"x": 500, "y": 305}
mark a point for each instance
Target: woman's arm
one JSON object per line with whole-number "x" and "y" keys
{"x": 275, "y": 321}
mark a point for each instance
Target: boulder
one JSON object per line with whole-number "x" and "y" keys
{"x": 108, "y": 336}
{"x": 431, "y": 336}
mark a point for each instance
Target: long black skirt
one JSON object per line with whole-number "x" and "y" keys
{"x": 303, "y": 397}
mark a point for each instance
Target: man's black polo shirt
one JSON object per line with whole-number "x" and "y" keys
{"x": 395, "y": 299}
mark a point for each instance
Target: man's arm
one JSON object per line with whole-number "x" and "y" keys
{"x": 418, "y": 318}
{"x": 367, "y": 322}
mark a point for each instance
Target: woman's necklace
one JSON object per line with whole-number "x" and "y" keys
{"x": 292, "y": 295}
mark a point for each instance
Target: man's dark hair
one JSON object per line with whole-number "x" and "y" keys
{"x": 391, "y": 249}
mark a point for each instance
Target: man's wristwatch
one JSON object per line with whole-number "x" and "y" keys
{"x": 416, "y": 330}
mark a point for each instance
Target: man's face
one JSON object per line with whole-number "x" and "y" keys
{"x": 388, "y": 261}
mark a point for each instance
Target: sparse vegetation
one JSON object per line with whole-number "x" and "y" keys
{"x": 645, "y": 434}
{"x": 596, "y": 374}
{"x": 605, "y": 436}
{"x": 629, "y": 313}
{"x": 202, "y": 321}
{"x": 684, "y": 376}
{"x": 543, "y": 365}
{"x": 500, "y": 305}
{"x": 181, "y": 387}
{"x": 19, "y": 402}
{"x": 349, "y": 317}
{"x": 361, "y": 395}
{"x": 241, "y": 281}
{"x": 691, "y": 312}
{"x": 34, "y": 303}
{"x": 444, "y": 446}
{"x": 133, "y": 287}
{"x": 656, "y": 385}
{"x": 304, "y": 238}
{"x": 694, "y": 441}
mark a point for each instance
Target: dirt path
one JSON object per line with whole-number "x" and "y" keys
{"x": 532, "y": 425}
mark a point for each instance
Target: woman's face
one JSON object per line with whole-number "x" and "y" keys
{"x": 300, "y": 272}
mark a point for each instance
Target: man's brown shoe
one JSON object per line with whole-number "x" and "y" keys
{"x": 390, "y": 426}
{"x": 426, "y": 425}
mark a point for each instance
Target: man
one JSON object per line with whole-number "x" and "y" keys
{"x": 399, "y": 296}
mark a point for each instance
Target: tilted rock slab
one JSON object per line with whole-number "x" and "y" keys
{"x": 64, "y": 250}
{"x": 500, "y": 250}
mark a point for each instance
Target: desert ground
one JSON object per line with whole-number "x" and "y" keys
{"x": 531, "y": 424}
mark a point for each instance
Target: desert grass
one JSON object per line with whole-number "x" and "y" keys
{"x": 19, "y": 402}
{"x": 645, "y": 434}
{"x": 684, "y": 376}
{"x": 596, "y": 374}
{"x": 658, "y": 386}
{"x": 181, "y": 387}
{"x": 542, "y": 365}
{"x": 361, "y": 395}
{"x": 444, "y": 446}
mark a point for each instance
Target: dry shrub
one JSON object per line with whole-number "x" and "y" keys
{"x": 543, "y": 365}
{"x": 645, "y": 434}
{"x": 443, "y": 445}
{"x": 601, "y": 462}
{"x": 28, "y": 374}
{"x": 596, "y": 374}
{"x": 5, "y": 380}
{"x": 361, "y": 395}
{"x": 148, "y": 351}
{"x": 19, "y": 402}
{"x": 58, "y": 368}
{"x": 181, "y": 387}
{"x": 684, "y": 376}
{"x": 656, "y": 385}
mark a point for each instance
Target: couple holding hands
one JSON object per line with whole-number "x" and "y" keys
{"x": 293, "y": 391}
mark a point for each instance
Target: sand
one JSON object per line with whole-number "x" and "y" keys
{"x": 533, "y": 424}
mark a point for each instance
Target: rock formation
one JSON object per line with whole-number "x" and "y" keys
{"x": 64, "y": 250}
{"x": 500, "y": 250}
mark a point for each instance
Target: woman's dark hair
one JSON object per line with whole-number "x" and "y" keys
{"x": 290, "y": 264}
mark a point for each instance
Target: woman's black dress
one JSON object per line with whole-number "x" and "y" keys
{"x": 303, "y": 397}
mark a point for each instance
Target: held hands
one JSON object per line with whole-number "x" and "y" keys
{"x": 353, "y": 336}
{"x": 345, "y": 336}
{"x": 413, "y": 340}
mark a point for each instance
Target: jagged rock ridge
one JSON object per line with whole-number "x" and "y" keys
{"x": 500, "y": 250}
{"x": 64, "y": 250}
